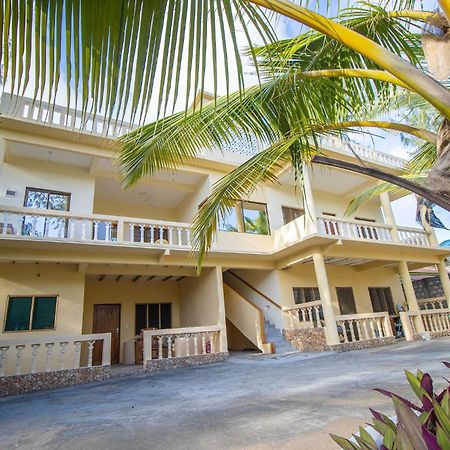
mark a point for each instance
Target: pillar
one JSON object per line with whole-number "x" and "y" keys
{"x": 309, "y": 205}
{"x": 331, "y": 333}
{"x": 445, "y": 282}
{"x": 221, "y": 317}
{"x": 409, "y": 292}
{"x": 389, "y": 215}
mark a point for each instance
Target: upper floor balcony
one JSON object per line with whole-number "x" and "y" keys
{"x": 60, "y": 117}
{"x": 47, "y": 226}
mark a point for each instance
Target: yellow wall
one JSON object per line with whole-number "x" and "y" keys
{"x": 127, "y": 293}
{"x": 19, "y": 174}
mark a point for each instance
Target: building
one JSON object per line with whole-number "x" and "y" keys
{"x": 80, "y": 257}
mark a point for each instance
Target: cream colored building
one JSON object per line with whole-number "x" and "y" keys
{"x": 78, "y": 255}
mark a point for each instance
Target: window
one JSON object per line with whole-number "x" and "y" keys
{"x": 45, "y": 199}
{"x": 381, "y": 299}
{"x": 305, "y": 294}
{"x": 30, "y": 313}
{"x": 246, "y": 217}
{"x": 290, "y": 214}
{"x": 153, "y": 315}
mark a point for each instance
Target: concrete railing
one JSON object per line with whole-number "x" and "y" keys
{"x": 432, "y": 303}
{"x": 41, "y": 224}
{"x": 51, "y": 353}
{"x": 307, "y": 314}
{"x": 364, "y": 327}
{"x": 413, "y": 236}
{"x": 430, "y": 320}
{"x": 247, "y": 318}
{"x": 181, "y": 342}
{"x": 57, "y": 116}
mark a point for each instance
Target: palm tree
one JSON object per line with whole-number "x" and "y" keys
{"x": 119, "y": 55}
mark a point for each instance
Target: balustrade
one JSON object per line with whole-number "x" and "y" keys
{"x": 413, "y": 236}
{"x": 47, "y": 354}
{"x": 432, "y": 303}
{"x": 62, "y": 225}
{"x": 354, "y": 230}
{"x": 309, "y": 314}
{"x": 433, "y": 321}
{"x": 181, "y": 342}
{"x": 363, "y": 327}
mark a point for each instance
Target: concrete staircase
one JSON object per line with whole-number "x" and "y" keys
{"x": 274, "y": 336}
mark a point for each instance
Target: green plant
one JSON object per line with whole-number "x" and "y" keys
{"x": 417, "y": 427}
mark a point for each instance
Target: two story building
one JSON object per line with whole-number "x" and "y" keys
{"x": 80, "y": 257}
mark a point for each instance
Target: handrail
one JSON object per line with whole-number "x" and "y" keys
{"x": 54, "y": 339}
{"x": 166, "y": 331}
{"x": 255, "y": 290}
{"x": 89, "y": 216}
{"x": 356, "y": 222}
{"x": 361, "y": 316}
{"x": 412, "y": 229}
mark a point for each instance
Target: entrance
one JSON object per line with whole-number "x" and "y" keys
{"x": 107, "y": 320}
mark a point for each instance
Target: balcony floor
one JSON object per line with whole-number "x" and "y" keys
{"x": 246, "y": 402}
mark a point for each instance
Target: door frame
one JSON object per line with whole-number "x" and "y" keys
{"x": 119, "y": 305}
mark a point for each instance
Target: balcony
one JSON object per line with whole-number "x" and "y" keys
{"x": 59, "y": 226}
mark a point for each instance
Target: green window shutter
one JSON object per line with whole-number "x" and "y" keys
{"x": 18, "y": 315}
{"x": 44, "y": 313}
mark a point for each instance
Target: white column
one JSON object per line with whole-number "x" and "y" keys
{"x": 389, "y": 215}
{"x": 221, "y": 318}
{"x": 443, "y": 275}
{"x": 2, "y": 156}
{"x": 409, "y": 292}
{"x": 325, "y": 296}
{"x": 308, "y": 202}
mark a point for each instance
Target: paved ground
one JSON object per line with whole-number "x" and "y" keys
{"x": 248, "y": 402}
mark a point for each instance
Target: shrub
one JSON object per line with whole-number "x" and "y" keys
{"x": 425, "y": 426}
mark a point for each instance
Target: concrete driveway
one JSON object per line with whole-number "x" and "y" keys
{"x": 247, "y": 402}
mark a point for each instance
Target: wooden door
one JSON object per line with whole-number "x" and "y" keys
{"x": 346, "y": 300}
{"x": 107, "y": 320}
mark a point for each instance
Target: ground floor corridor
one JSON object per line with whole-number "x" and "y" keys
{"x": 248, "y": 402}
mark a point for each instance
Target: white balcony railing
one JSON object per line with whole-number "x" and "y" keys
{"x": 309, "y": 314}
{"x": 38, "y": 224}
{"x": 57, "y": 116}
{"x": 432, "y": 303}
{"x": 430, "y": 320}
{"x": 354, "y": 230}
{"x": 52, "y": 353}
{"x": 413, "y": 236}
{"x": 181, "y": 342}
{"x": 364, "y": 327}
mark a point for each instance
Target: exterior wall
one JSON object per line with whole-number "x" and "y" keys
{"x": 44, "y": 279}
{"x": 127, "y": 294}
{"x": 22, "y": 173}
{"x": 117, "y": 208}
{"x": 428, "y": 288}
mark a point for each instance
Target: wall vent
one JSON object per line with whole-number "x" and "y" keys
{"x": 10, "y": 193}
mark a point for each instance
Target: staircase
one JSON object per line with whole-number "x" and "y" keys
{"x": 274, "y": 336}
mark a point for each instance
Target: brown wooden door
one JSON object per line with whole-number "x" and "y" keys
{"x": 107, "y": 320}
{"x": 346, "y": 300}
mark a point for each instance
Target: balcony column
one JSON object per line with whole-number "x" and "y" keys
{"x": 443, "y": 275}
{"x": 409, "y": 293}
{"x": 221, "y": 317}
{"x": 331, "y": 333}
{"x": 308, "y": 202}
{"x": 389, "y": 215}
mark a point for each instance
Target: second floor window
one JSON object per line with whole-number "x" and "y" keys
{"x": 50, "y": 200}
{"x": 247, "y": 217}
{"x": 290, "y": 214}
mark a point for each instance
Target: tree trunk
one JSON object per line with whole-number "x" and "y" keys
{"x": 427, "y": 192}
{"x": 438, "y": 179}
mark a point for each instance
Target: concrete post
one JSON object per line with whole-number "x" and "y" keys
{"x": 221, "y": 317}
{"x": 389, "y": 215}
{"x": 331, "y": 333}
{"x": 309, "y": 205}
{"x": 409, "y": 293}
{"x": 443, "y": 275}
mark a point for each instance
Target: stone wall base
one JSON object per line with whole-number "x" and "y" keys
{"x": 31, "y": 382}
{"x": 307, "y": 340}
{"x": 433, "y": 334}
{"x": 157, "y": 365}
{"x": 359, "y": 345}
